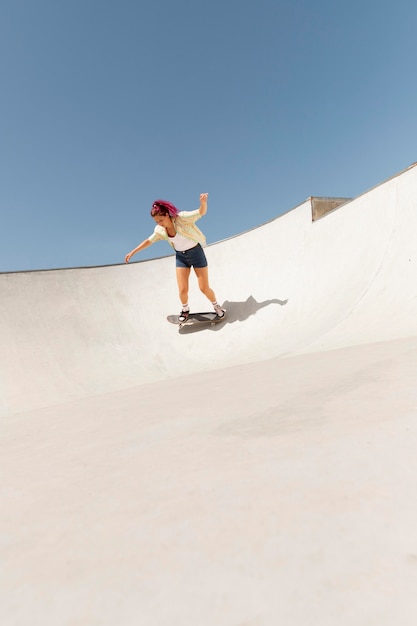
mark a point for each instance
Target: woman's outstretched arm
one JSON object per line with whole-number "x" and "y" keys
{"x": 145, "y": 244}
{"x": 203, "y": 203}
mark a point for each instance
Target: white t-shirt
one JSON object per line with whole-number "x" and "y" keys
{"x": 182, "y": 243}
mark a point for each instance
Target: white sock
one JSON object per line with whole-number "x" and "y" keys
{"x": 185, "y": 307}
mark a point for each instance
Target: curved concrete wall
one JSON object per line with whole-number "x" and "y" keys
{"x": 289, "y": 286}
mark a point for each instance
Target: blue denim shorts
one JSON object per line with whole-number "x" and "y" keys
{"x": 195, "y": 257}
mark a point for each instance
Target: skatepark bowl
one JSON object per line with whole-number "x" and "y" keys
{"x": 262, "y": 471}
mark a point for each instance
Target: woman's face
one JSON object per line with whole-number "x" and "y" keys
{"x": 163, "y": 220}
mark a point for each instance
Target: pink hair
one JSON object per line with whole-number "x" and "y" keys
{"x": 162, "y": 207}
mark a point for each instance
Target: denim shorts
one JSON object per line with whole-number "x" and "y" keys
{"x": 195, "y": 257}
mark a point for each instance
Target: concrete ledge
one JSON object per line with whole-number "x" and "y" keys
{"x": 322, "y": 206}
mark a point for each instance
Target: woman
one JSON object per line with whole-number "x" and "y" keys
{"x": 179, "y": 229}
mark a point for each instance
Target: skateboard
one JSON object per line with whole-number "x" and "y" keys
{"x": 209, "y": 317}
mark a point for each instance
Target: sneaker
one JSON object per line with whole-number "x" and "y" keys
{"x": 219, "y": 311}
{"x": 183, "y": 316}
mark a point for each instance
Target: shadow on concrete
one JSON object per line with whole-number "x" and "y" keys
{"x": 235, "y": 312}
{"x": 241, "y": 311}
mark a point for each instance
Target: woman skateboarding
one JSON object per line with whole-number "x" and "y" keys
{"x": 179, "y": 229}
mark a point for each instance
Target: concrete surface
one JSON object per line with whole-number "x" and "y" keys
{"x": 322, "y": 206}
{"x": 259, "y": 472}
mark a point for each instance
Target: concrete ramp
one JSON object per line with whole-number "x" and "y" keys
{"x": 254, "y": 473}
{"x": 290, "y": 286}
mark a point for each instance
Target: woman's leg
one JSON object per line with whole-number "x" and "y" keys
{"x": 183, "y": 275}
{"x": 203, "y": 283}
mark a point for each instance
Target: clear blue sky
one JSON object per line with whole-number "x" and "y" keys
{"x": 107, "y": 105}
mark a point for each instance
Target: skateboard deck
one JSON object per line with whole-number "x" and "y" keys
{"x": 209, "y": 317}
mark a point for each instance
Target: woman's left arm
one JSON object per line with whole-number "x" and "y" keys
{"x": 203, "y": 203}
